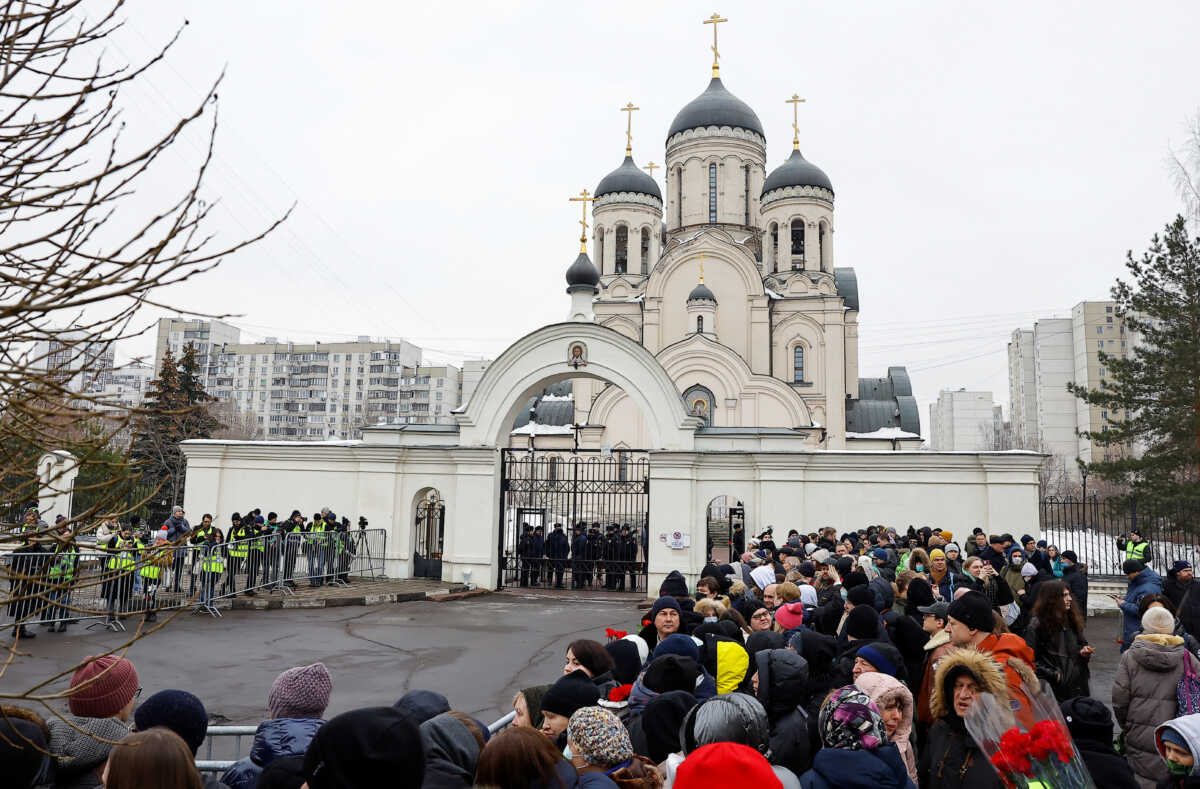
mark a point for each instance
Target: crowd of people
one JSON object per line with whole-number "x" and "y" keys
{"x": 852, "y": 661}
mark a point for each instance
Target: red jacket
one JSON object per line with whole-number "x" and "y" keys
{"x": 1016, "y": 658}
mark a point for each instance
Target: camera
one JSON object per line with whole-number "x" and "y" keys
{"x": 362, "y": 521}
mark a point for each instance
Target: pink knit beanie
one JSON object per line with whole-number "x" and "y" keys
{"x": 301, "y": 692}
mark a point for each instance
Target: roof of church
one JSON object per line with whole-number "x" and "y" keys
{"x": 884, "y": 402}
{"x": 796, "y": 171}
{"x": 628, "y": 178}
{"x": 583, "y": 272}
{"x": 702, "y": 293}
{"x": 716, "y": 106}
{"x": 554, "y": 405}
{"x": 847, "y": 286}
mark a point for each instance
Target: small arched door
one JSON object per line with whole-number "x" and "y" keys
{"x": 430, "y": 527}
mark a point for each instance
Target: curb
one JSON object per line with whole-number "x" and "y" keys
{"x": 444, "y": 597}
{"x": 252, "y": 604}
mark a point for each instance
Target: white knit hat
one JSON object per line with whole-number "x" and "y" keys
{"x": 1158, "y": 620}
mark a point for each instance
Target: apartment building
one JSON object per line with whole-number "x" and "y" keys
{"x": 174, "y": 333}
{"x": 1022, "y": 390}
{"x": 962, "y": 421}
{"x": 1096, "y": 328}
{"x": 73, "y": 360}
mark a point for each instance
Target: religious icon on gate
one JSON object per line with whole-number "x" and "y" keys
{"x": 577, "y": 355}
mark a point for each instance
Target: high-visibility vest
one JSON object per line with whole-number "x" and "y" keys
{"x": 124, "y": 558}
{"x": 63, "y": 566}
{"x": 1136, "y": 550}
{"x": 317, "y": 532}
{"x": 213, "y": 562}
{"x": 260, "y": 541}
{"x": 152, "y": 569}
{"x": 236, "y": 549}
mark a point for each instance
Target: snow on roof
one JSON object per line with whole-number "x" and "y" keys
{"x": 772, "y": 294}
{"x": 548, "y": 397}
{"x": 543, "y": 430}
{"x": 887, "y": 433}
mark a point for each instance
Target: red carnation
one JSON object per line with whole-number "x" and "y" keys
{"x": 620, "y": 693}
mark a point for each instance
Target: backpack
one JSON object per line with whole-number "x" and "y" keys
{"x": 1187, "y": 692}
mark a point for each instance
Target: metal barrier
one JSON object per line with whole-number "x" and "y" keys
{"x": 209, "y": 764}
{"x": 133, "y": 579}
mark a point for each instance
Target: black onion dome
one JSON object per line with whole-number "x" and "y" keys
{"x": 796, "y": 171}
{"x": 628, "y": 178}
{"x": 583, "y": 273}
{"x": 716, "y": 107}
{"x": 702, "y": 293}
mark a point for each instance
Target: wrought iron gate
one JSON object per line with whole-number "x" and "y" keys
{"x": 431, "y": 533}
{"x": 602, "y": 501}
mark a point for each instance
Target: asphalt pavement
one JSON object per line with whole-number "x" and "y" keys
{"x": 478, "y": 651}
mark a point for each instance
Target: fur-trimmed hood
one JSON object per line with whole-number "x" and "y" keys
{"x": 987, "y": 674}
{"x": 936, "y": 640}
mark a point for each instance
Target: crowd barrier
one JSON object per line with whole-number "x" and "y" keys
{"x": 226, "y": 741}
{"x": 109, "y": 586}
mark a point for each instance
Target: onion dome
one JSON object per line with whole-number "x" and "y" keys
{"x": 796, "y": 171}
{"x": 628, "y": 178}
{"x": 582, "y": 273}
{"x": 701, "y": 293}
{"x": 716, "y": 107}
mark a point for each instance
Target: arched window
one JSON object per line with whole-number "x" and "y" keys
{"x": 622, "y": 252}
{"x": 699, "y": 401}
{"x": 600, "y": 249}
{"x": 699, "y": 324}
{"x": 798, "y": 365}
{"x": 645, "y": 250}
{"x": 747, "y": 188}
{"x": 823, "y": 246}
{"x": 712, "y": 193}
{"x": 679, "y": 197}
{"x": 553, "y": 468}
{"x": 797, "y": 244}
{"x": 774, "y": 247}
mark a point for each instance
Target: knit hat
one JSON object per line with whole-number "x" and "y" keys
{"x": 860, "y": 595}
{"x": 807, "y": 569}
{"x": 674, "y": 585}
{"x": 670, "y": 672}
{"x": 848, "y": 720}
{"x": 1028, "y": 571}
{"x": 1159, "y": 621}
{"x": 664, "y": 602}
{"x": 598, "y": 737}
{"x": 879, "y": 553}
{"x": 725, "y": 764}
{"x": 851, "y": 580}
{"x": 569, "y": 693}
{"x": 947, "y": 536}
{"x": 937, "y": 553}
{"x": 862, "y": 623}
{"x": 626, "y": 660}
{"x": 1168, "y": 734}
{"x": 874, "y": 656}
{"x": 1070, "y": 557}
{"x": 372, "y": 746}
{"x": 1132, "y": 566}
{"x": 820, "y": 556}
{"x": 1027, "y": 538}
{"x": 677, "y": 644}
{"x": 974, "y": 611}
{"x": 301, "y": 692}
{"x": 952, "y": 546}
{"x": 421, "y": 705}
{"x": 790, "y": 615}
{"x": 1180, "y": 564}
{"x": 177, "y": 710}
{"x": 1088, "y": 718}
{"x": 22, "y": 752}
{"x": 919, "y": 592}
{"x": 102, "y": 687}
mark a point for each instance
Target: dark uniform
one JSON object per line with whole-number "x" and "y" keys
{"x": 579, "y": 546}
{"x": 537, "y": 556}
{"x": 523, "y": 551}
{"x": 28, "y": 564}
{"x": 558, "y": 547}
{"x": 595, "y": 553}
{"x": 291, "y": 534}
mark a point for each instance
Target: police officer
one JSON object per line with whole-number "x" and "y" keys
{"x": 578, "y": 557}
{"x": 558, "y": 547}
{"x": 537, "y": 553}
{"x": 291, "y": 534}
{"x": 595, "y": 553}
{"x": 1135, "y": 547}
{"x": 123, "y": 550}
{"x": 523, "y": 552}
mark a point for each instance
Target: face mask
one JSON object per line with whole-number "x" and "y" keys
{"x": 567, "y": 752}
{"x": 1017, "y": 561}
{"x": 920, "y": 568}
{"x": 844, "y": 595}
{"x": 710, "y": 619}
{"x": 1175, "y": 768}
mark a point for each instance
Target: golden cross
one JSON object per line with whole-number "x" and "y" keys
{"x": 629, "y": 108}
{"x": 584, "y": 198}
{"x": 715, "y": 20}
{"x": 701, "y": 268}
{"x": 795, "y": 101}
{"x": 651, "y": 167}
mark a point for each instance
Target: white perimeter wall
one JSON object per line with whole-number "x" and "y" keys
{"x": 952, "y": 491}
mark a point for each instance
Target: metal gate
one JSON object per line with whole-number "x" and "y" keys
{"x": 600, "y": 499}
{"x": 431, "y": 534}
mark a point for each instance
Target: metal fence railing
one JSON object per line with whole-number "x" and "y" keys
{"x": 1092, "y": 527}
{"x": 223, "y": 746}
{"x": 132, "y": 579}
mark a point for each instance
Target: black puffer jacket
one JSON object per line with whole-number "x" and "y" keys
{"x": 819, "y": 651}
{"x": 783, "y": 691}
{"x": 1058, "y": 661}
{"x": 1075, "y": 577}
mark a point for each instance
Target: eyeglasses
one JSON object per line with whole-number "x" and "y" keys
{"x": 761, "y": 615}
{"x": 138, "y": 694}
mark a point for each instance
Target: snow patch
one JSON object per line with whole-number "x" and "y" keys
{"x": 888, "y": 433}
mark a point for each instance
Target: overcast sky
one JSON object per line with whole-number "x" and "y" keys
{"x": 992, "y": 162}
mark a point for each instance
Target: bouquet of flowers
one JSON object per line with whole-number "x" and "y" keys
{"x": 1042, "y": 756}
{"x": 614, "y": 635}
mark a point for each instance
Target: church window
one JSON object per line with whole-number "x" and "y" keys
{"x": 700, "y": 324}
{"x": 712, "y": 193}
{"x": 797, "y": 244}
{"x": 600, "y": 248}
{"x": 622, "y": 256}
{"x": 798, "y": 365}
{"x": 774, "y": 247}
{"x": 645, "y": 250}
{"x": 746, "y": 169}
{"x": 679, "y": 197}
{"x": 821, "y": 251}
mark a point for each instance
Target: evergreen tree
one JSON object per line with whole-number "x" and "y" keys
{"x": 175, "y": 409}
{"x": 1152, "y": 396}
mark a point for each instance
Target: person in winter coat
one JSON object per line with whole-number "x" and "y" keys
{"x": 1061, "y": 654}
{"x": 894, "y": 702}
{"x": 370, "y": 746}
{"x": 1179, "y": 580}
{"x": 1091, "y": 726}
{"x": 564, "y": 697}
{"x": 604, "y": 756}
{"x": 937, "y": 647}
{"x": 733, "y": 718}
{"x": 451, "y": 743}
{"x": 656, "y": 733}
{"x": 421, "y": 705}
{"x": 1144, "y": 691}
{"x": 665, "y": 618}
{"x": 1142, "y": 581}
{"x": 296, "y": 706}
{"x": 1178, "y": 743}
{"x": 951, "y": 759}
{"x": 855, "y": 749}
{"x": 103, "y": 691}
{"x": 182, "y": 713}
{"x": 781, "y": 684}
{"x": 593, "y": 659}
{"x": 528, "y": 706}
{"x": 1014, "y": 561}
{"x": 1074, "y": 575}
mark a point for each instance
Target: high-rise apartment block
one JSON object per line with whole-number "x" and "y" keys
{"x": 174, "y": 333}
{"x": 962, "y": 421}
{"x": 1043, "y": 360}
